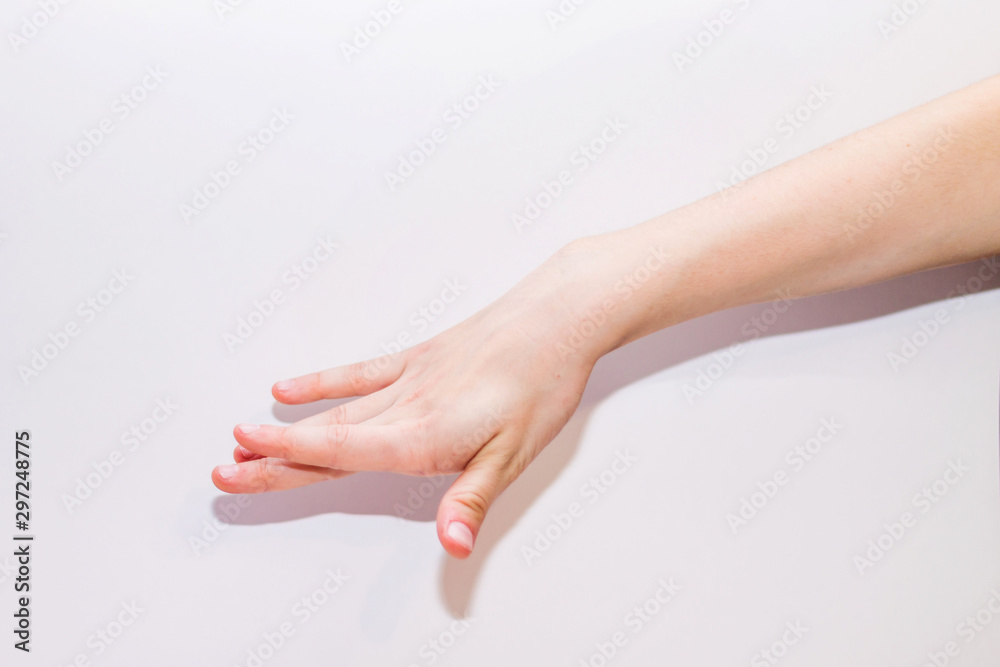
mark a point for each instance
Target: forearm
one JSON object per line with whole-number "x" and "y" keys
{"x": 484, "y": 397}
{"x": 915, "y": 192}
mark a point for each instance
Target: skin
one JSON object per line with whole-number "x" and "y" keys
{"x": 483, "y": 398}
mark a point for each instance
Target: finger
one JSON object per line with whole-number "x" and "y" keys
{"x": 353, "y": 447}
{"x": 353, "y": 412}
{"x": 268, "y": 474}
{"x": 464, "y": 506}
{"x": 241, "y": 454}
{"x": 358, "y": 379}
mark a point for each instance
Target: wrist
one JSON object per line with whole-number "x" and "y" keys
{"x": 612, "y": 288}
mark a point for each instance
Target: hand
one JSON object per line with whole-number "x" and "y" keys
{"x": 481, "y": 399}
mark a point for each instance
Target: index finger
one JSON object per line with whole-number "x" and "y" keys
{"x": 352, "y": 447}
{"x": 358, "y": 379}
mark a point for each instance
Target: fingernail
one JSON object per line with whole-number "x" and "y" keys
{"x": 284, "y": 385}
{"x": 460, "y": 533}
{"x": 248, "y": 428}
{"x": 246, "y": 453}
{"x": 228, "y": 472}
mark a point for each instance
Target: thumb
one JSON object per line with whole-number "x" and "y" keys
{"x": 463, "y": 507}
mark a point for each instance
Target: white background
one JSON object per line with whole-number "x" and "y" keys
{"x": 666, "y": 516}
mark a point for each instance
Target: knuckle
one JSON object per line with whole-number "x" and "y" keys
{"x": 504, "y": 462}
{"x": 424, "y": 459}
{"x": 474, "y": 501}
{"x": 422, "y": 464}
{"x": 370, "y": 369}
{"x": 286, "y": 443}
{"x": 514, "y": 462}
{"x": 264, "y": 474}
{"x": 356, "y": 377}
{"x": 338, "y": 415}
{"x": 336, "y": 436}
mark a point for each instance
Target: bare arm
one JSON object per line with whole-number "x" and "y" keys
{"x": 484, "y": 397}
{"x": 919, "y": 191}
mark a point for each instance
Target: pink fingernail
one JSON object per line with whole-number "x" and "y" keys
{"x": 461, "y": 534}
{"x": 228, "y": 472}
{"x": 248, "y": 428}
{"x": 284, "y": 385}
{"x": 247, "y": 454}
